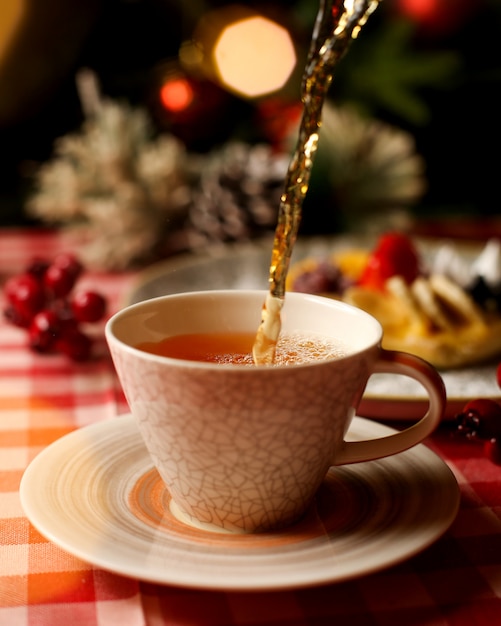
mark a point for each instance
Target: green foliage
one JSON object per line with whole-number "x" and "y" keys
{"x": 385, "y": 72}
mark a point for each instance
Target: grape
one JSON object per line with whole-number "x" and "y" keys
{"x": 488, "y": 297}
{"x": 324, "y": 278}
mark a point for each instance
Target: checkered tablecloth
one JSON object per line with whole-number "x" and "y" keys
{"x": 455, "y": 582}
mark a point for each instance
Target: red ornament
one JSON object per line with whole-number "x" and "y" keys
{"x": 438, "y": 17}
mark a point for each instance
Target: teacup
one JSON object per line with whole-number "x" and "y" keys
{"x": 243, "y": 447}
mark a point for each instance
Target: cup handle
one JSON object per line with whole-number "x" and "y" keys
{"x": 400, "y": 363}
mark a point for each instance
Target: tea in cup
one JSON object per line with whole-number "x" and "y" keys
{"x": 244, "y": 447}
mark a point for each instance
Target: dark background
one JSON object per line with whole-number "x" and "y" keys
{"x": 126, "y": 41}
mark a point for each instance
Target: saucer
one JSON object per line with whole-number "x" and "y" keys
{"x": 96, "y": 494}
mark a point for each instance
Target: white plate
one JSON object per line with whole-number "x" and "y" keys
{"x": 96, "y": 494}
{"x": 246, "y": 266}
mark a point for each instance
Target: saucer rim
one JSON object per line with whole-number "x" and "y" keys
{"x": 33, "y": 487}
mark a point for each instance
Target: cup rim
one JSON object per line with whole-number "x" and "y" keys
{"x": 337, "y": 304}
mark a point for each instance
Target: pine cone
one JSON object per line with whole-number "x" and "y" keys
{"x": 237, "y": 195}
{"x": 372, "y": 165}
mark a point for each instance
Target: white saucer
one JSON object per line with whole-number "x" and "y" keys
{"x": 96, "y": 494}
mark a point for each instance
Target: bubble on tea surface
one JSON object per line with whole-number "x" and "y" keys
{"x": 293, "y": 349}
{"x": 301, "y": 348}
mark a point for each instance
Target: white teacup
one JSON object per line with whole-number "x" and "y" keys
{"x": 243, "y": 447}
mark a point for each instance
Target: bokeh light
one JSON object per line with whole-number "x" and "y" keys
{"x": 11, "y": 16}
{"x": 254, "y": 56}
{"x": 176, "y": 94}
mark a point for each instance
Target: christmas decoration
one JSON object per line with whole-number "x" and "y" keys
{"x": 46, "y": 301}
{"x": 114, "y": 182}
{"x": 237, "y": 194}
{"x": 130, "y": 200}
{"x": 131, "y": 197}
{"x": 438, "y": 17}
{"x": 370, "y": 169}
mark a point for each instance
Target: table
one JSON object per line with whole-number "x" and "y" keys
{"x": 454, "y": 582}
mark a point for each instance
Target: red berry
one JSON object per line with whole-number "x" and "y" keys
{"x": 38, "y": 300}
{"x": 498, "y": 375}
{"x": 25, "y": 295}
{"x": 480, "y": 418}
{"x": 37, "y": 268}
{"x": 74, "y": 344}
{"x": 44, "y": 330}
{"x": 13, "y": 317}
{"x": 394, "y": 255}
{"x": 492, "y": 450}
{"x": 88, "y": 306}
{"x": 70, "y": 263}
{"x": 59, "y": 281}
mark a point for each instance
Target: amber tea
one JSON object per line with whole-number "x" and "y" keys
{"x": 236, "y": 348}
{"x": 338, "y": 23}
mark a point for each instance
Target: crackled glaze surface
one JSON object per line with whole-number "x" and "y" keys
{"x": 242, "y": 448}
{"x": 106, "y": 504}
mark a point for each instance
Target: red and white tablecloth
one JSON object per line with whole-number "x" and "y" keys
{"x": 455, "y": 582}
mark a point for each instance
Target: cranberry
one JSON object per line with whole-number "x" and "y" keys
{"x": 59, "y": 281}
{"x": 37, "y": 268}
{"x": 44, "y": 330}
{"x": 492, "y": 450}
{"x": 25, "y": 295}
{"x": 498, "y": 375}
{"x": 480, "y": 418}
{"x": 75, "y": 344}
{"x": 13, "y": 317}
{"x": 88, "y": 306}
{"x": 70, "y": 263}
{"x": 41, "y": 301}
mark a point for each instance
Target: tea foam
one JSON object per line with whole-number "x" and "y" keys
{"x": 293, "y": 349}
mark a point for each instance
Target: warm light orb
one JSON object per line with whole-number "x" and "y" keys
{"x": 176, "y": 94}
{"x": 254, "y": 56}
{"x": 420, "y": 9}
{"x": 11, "y": 15}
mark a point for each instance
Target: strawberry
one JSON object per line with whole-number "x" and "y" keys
{"x": 394, "y": 255}
{"x": 498, "y": 375}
